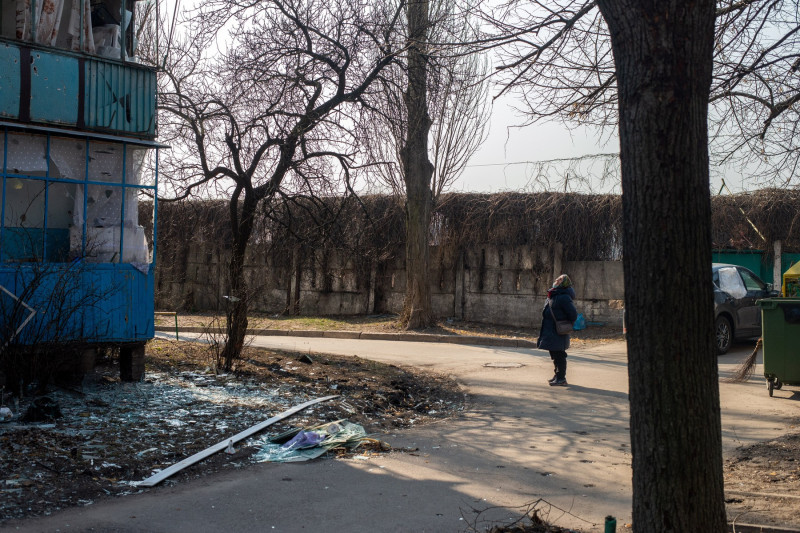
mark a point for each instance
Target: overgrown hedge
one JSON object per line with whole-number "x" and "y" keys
{"x": 371, "y": 228}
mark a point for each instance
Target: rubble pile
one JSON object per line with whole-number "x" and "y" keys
{"x": 111, "y": 434}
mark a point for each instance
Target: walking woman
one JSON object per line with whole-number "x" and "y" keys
{"x": 558, "y": 306}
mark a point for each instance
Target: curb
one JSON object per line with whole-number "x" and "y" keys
{"x": 755, "y": 528}
{"x": 368, "y": 335}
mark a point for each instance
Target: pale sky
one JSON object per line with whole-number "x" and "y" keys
{"x": 499, "y": 165}
{"x": 507, "y": 158}
{"x": 511, "y": 156}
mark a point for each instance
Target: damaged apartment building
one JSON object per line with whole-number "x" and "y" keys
{"x": 77, "y": 133}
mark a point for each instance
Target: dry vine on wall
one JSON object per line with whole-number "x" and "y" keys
{"x": 367, "y": 233}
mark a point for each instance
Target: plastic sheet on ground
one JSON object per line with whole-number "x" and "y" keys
{"x": 309, "y": 443}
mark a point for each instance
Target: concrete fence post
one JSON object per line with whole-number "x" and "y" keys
{"x": 558, "y": 253}
{"x": 458, "y": 287}
{"x": 373, "y": 276}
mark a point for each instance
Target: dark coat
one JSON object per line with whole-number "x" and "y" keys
{"x": 564, "y": 309}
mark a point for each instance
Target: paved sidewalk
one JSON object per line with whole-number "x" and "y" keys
{"x": 519, "y": 441}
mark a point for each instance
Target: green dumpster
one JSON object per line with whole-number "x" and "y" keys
{"x": 780, "y": 334}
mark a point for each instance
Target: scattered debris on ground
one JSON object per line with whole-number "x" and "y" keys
{"x": 112, "y": 434}
{"x": 535, "y": 517}
{"x": 762, "y": 483}
{"x": 310, "y": 443}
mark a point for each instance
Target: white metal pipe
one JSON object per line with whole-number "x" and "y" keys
{"x": 24, "y": 322}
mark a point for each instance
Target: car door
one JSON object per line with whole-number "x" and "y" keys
{"x": 750, "y": 313}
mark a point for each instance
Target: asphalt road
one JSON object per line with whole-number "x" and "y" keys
{"x": 520, "y": 441}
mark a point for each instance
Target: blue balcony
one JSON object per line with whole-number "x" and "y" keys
{"x": 76, "y": 261}
{"x": 75, "y": 302}
{"x": 48, "y": 86}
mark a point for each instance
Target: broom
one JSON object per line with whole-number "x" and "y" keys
{"x": 747, "y": 367}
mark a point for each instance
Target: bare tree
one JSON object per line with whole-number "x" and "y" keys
{"x": 424, "y": 126}
{"x": 417, "y": 168}
{"x": 270, "y": 115}
{"x": 663, "y": 54}
{"x": 755, "y": 95}
{"x": 654, "y": 59}
{"x": 557, "y": 58}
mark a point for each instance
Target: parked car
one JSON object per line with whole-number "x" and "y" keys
{"x": 736, "y": 315}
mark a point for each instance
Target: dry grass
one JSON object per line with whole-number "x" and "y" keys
{"x": 389, "y": 324}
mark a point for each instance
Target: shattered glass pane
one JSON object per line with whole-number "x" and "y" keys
{"x": 60, "y": 204}
{"x": 26, "y": 154}
{"x": 69, "y": 158}
{"x": 23, "y": 233}
{"x": 105, "y": 162}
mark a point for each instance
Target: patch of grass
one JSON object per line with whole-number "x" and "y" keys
{"x": 389, "y": 323}
{"x": 264, "y": 321}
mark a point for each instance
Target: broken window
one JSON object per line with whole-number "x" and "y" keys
{"x": 751, "y": 282}
{"x": 731, "y": 282}
{"x": 23, "y": 220}
{"x": 140, "y": 166}
{"x": 105, "y": 162}
{"x": 95, "y": 26}
{"x": 69, "y": 156}
{"x": 103, "y": 216}
{"x": 24, "y": 201}
{"x": 27, "y": 154}
{"x": 67, "y": 198}
{"x": 60, "y": 204}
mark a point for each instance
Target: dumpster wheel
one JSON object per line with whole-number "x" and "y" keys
{"x": 778, "y": 384}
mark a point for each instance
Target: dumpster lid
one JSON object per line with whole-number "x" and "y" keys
{"x": 772, "y": 303}
{"x": 793, "y": 270}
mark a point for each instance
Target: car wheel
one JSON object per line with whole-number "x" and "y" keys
{"x": 723, "y": 335}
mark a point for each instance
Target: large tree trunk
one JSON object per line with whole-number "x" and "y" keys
{"x": 236, "y": 325}
{"x": 418, "y": 172}
{"x": 663, "y": 55}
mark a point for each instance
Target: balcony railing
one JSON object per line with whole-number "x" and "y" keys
{"x": 43, "y": 85}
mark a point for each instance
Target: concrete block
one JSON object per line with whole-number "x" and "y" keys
{"x": 88, "y": 358}
{"x": 131, "y": 362}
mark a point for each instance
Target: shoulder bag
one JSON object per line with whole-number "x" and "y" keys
{"x": 563, "y": 327}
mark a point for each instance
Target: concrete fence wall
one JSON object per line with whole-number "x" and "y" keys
{"x": 487, "y": 284}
